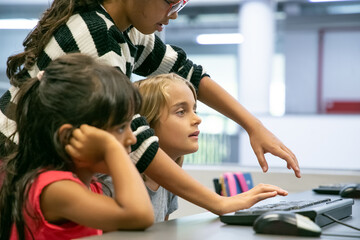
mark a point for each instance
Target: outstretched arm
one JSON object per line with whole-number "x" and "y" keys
{"x": 172, "y": 177}
{"x": 261, "y": 139}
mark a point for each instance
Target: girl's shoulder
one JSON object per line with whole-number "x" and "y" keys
{"x": 45, "y": 178}
{"x": 89, "y": 21}
{"x": 53, "y": 175}
{"x": 39, "y": 225}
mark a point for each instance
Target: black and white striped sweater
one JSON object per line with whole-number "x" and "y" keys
{"x": 94, "y": 33}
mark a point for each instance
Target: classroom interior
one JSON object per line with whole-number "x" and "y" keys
{"x": 294, "y": 64}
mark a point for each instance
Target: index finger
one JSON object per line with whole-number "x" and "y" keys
{"x": 291, "y": 160}
{"x": 291, "y": 154}
{"x": 262, "y": 161}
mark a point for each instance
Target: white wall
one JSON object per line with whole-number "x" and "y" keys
{"x": 300, "y": 52}
{"x": 341, "y": 81}
{"x": 318, "y": 141}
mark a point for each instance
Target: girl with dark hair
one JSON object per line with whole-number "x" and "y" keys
{"x": 121, "y": 34}
{"x": 73, "y": 120}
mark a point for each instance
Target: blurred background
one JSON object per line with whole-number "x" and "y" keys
{"x": 295, "y": 64}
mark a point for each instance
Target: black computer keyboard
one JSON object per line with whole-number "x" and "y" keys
{"x": 339, "y": 209}
{"x": 330, "y": 188}
{"x": 281, "y": 206}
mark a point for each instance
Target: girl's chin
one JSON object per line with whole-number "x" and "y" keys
{"x": 191, "y": 150}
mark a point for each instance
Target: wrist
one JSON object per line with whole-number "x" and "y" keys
{"x": 220, "y": 205}
{"x": 253, "y": 126}
{"x": 111, "y": 145}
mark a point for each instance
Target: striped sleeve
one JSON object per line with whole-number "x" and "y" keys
{"x": 147, "y": 145}
{"x": 7, "y": 125}
{"x": 90, "y": 33}
{"x": 7, "y": 116}
{"x": 154, "y": 57}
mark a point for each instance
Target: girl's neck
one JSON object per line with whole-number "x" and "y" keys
{"x": 173, "y": 156}
{"x": 115, "y": 10}
{"x": 85, "y": 176}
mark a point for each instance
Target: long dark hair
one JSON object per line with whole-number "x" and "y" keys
{"x": 74, "y": 89}
{"x": 58, "y": 14}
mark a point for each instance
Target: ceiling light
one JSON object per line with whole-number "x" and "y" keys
{"x": 346, "y": 9}
{"x": 329, "y": 0}
{"x": 18, "y": 23}
{"x": 222, "y": 38}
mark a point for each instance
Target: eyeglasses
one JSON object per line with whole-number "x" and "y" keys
{"x": 176, "y": 7}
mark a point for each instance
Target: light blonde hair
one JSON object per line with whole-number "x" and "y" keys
{"x": 154, "y": 92}
{"x": 155, "y": 97}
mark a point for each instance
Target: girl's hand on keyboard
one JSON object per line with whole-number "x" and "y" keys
{"x": 249, "y": 198}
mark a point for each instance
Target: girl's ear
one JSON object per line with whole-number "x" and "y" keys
{"x": 65, "y": 132}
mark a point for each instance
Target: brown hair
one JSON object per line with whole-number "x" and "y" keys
{"x": 74, "y": 89}
{"x": 58, "y": 14}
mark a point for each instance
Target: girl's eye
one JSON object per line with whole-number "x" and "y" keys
{"x": 121, "y": 129}
{"x": 180, "y": 112}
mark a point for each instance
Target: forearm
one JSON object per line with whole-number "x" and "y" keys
{"x": 213, "y": 95}
{"x": 168, "y": 174}
{"x": 128, "y": 186}
{"x": 262, "y": 140}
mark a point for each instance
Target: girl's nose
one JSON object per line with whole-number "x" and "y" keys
{"x": 173, "y": 16}
{"x": 130, "y": 138}
{"x": 197, "y": 119}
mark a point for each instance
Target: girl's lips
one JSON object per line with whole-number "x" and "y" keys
{"x": 194, "y": 134}
{"x": 159, "y": 27}
{"x": 128, "y": 150}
